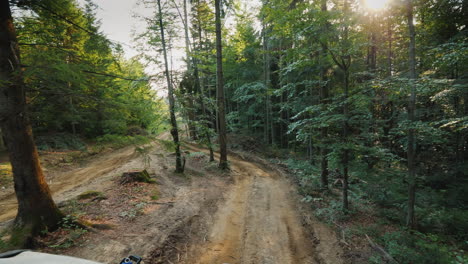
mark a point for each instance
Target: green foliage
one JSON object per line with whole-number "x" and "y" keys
{"x": 133, "y": 212}
{"x": 73, "y": 232}
{"x": 417, "y": 248}
{"x": 168, "y": 145}
{"x": 155, "y": 196}
{"x": 79, "y": 80}
{"x": 306, "y": 174}
{"x": 60, "y": 141}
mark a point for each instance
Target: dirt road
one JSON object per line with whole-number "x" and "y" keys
{"x": 250, "y": 215}
{"x": 259, "y": 223}
{"x": 66, "y": 185}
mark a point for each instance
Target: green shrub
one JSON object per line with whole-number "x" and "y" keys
{"x": 306, "y": 174}
{"x": 60, "y": 141}
{"x": 416, "y": 248}
{"x": 449, "y": 221}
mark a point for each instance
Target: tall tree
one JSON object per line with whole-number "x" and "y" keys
{"x": 36, "y": 209}
{"x": 174, "y": 129}
{"x": 220, "y": 89}
{"x": 324, "y": 94}
{"x": 411, "y": 152}
{"x": 343, "y": 61}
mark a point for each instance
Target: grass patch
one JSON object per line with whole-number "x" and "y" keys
{"x": 155, "y": 195}
{"x": 6, "y": 175}
{"x": 168, "y": 145}
{"x": 90, "y": 194}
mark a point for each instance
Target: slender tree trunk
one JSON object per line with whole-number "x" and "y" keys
{"x": 411, "y": 153}
{"x": 174, "y": 129}
{"x": 390, "y": 39}
{"x": 187, "y": 38}
{"x": 199, "y": 83}
{"x": 344, "y": 63}
{"x": 266, "y": 82}
{"x": 191, "y": 117}
{"x": 220, "y": 89}
{"x": 36, "y": 209}
{"x": 323, "y": 101}
{"x": 205, "y": 119}
{"x": 345, "y": 136}
{"x": 190, "y": 99}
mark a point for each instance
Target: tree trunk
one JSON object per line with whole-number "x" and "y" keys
{"x": 174, "y": 129}
{"x": 345, "y": 66}
{"x": 200, "y": 85}
{"x": 36, "y": 209}
{"x": 345, "y": 136}
{"x": 220, "y": 89}
{"x": 389, "y": 54}
{"x": 205, "y": 115}
{"x": 187, "y": 38}
{"x": 411, "y": 153}
{"x": 323, "y": 101}
{"x": 190, "y": 99}
{"x": 266, "y": 82}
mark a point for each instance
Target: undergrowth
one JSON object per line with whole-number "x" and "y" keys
{"x": 442, "y": 242}
{"x": 59, "y": 141}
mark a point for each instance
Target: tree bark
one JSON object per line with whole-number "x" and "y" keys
{"x": 199, "y": 84}
{"x": 390, "y": 54}
{"x": 174, "y": 129}
{"x": 323, "y": 101}
{"x": 220, "y": 89}
{"x": 411, "y": 153}
{"x": 190, "y": 99}
{"x": 36, "y": 209}
{"x": 345, "y": 136}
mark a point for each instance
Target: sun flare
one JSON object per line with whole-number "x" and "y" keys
{"x": 376, "y": 4}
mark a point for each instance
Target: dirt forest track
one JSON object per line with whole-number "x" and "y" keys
{"x": 250, "y": 215}
{"x": 259, "y": 223}
{"x": 66, "y": 185}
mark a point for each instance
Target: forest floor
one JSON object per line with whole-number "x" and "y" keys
{"x": 250, "y": 214}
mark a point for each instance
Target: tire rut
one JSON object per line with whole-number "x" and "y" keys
{"x": 258, "y": 222}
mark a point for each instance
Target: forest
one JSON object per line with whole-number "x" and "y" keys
{"x": 363, "y": 103}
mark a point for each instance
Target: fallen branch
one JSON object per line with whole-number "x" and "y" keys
{"x": 380, "y": 250}
{"x": 166, "y": 203}
{"x": 344, "y": 238}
